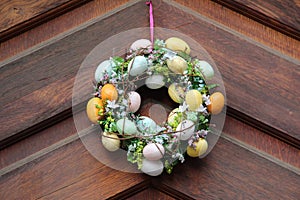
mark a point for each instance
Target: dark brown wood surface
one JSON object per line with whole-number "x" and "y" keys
{"x": 51, "y": 79}
{"x": 281, "y": 15}
{"x": 17, "y": 16}
{"x": 255, "y": 95}
{"x": 228, "y": 172}
{"x": 246, "y": 163}
{"x": 244, "y": 25}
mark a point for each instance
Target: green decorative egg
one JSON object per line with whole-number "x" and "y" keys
{"x": 206, "y": 69}
{"x": 137, "y": 66}
{"x": 105, "y": 66}
{"x": 126, "y": 126}
{"x": 147, "y": 125}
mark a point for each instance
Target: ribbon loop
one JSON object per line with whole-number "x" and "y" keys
{"x": 149, "y": 3}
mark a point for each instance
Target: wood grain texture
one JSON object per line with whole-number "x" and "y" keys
{"x": 38, "y": 83}
{"x": 244, "y": 25}
{"x": 92, "y": 9}
{"x": 151, "y": 193}
{"x": 14, "y": 155}
{"x": 37, "y": 142}
{"x": 71, "y": 168}
{"x": 228, "y": 172}
{"x": 50, "y": 72}
{"x": 283, "y": 16}
{"x": 262, "y": 142}
{"x": 255, "y": 79}
{"x": 63, "y": 22}
{"x": 18, "y": 16}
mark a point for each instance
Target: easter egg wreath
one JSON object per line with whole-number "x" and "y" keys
{"x": 155, "y": 147}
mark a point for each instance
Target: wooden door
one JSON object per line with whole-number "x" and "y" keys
{"x": 256, "y": 47}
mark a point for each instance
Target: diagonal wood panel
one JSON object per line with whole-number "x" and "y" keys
{"x": 281, "y": 15}
{"x": 18, "y": 16}
{"x": 261, "y": 85}
{"x": 46, "y": 90}
{"x": 228, "y": 172}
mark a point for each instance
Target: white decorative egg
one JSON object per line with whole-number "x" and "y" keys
{"x": 141, "y": 44}
{"x": 153, "y": 151}
{"x": 185, "y": 129}
{"x": 206, "y": 69}
{"x": 152, "y": 167}
{"x": 177, "y": 64}
{"x": 105, "y": 66}
{"x": 126, "y": 126}
{"x": 110, "y": 141}
{"x": 137, "y": 65}
{"x": 155, "y": 81}
{"x": 134, "y": 101}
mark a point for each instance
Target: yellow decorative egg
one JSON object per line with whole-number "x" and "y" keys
{"x": 177, "y": 44}
{"x": 91, "y": 109}
{"x": 176, "y": 93}
{"x": 110, "y": 141}
{"x": 193, "y": 99}
{"x": 177, "y": 64}
{"x": 109, "y": 92}
{"x": 201, "y": 148}
{"x": 173, "y": 115}
{"x": 217, "y": 101}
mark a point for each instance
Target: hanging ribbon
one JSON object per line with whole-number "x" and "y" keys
{"x": 149, "y": 3}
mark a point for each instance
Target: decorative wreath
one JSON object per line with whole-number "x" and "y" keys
{"x": 116, "y": 104}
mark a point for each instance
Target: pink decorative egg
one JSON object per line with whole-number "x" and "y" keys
{"x": 134, "y": 101}
{"x": 153, "y": 151}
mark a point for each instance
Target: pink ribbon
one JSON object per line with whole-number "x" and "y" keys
{"x": 149, "y": 3}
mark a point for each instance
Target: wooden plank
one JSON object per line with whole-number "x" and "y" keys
{"x": 56, "y": 26}
{"x": 267, "y": 74}
{"x": 15, "y": 155}
{"x": 256, "y": 82}
{"x": 151, "y": 193}
{"x": 18, "y": 16}
{"x": 231, "y": 172}
{"x": 46, "y": 90}
{"x": 64, "y": 168}
{"x": 244, "y": 25}
{"x": 262, "y": 142}
{"x": 281, "y": 15}
{"x": 228, "y": 172}
{"x": 37, "y": 142}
